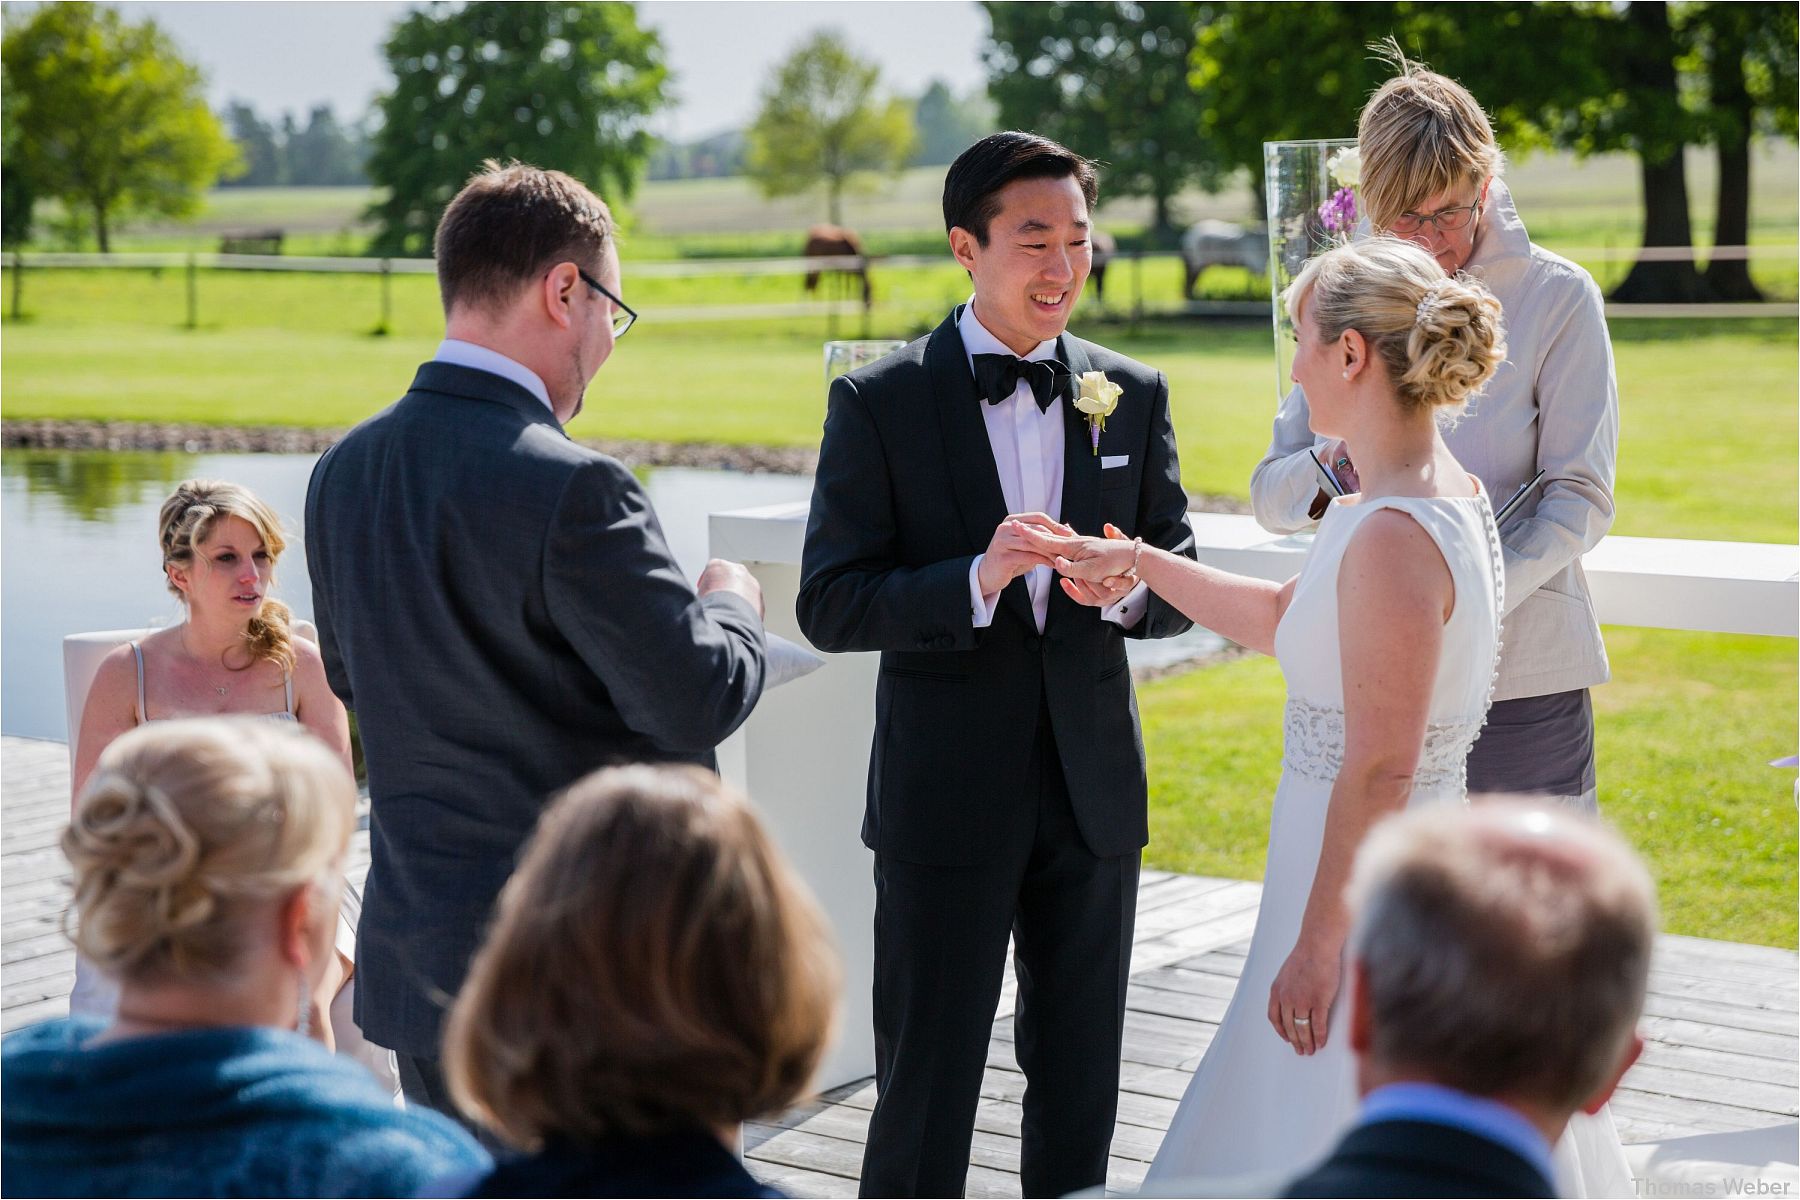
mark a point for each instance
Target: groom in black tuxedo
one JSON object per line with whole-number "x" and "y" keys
{"x": 1006, "y": 784}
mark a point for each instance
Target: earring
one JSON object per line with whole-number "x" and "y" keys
{"x": 1346, "y": 374}
{"x": 303, "y": 1017}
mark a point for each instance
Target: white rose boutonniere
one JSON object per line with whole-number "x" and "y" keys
{"x": 1345, "y": 165}
{"x": 1096, "y": 396}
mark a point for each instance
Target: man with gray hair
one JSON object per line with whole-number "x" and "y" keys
{"x": 1497, "y": 967}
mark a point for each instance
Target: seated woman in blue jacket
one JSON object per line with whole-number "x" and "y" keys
{"x": 209, "y": 860}
{"x": 655, "y": 976}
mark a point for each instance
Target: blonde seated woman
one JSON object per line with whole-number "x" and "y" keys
{"x": 233, "y": 654}
{"x": 209, "y": 860}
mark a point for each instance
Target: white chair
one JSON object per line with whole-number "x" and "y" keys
{"x": 94, "y": 993}
{"x": 82, "y": 653}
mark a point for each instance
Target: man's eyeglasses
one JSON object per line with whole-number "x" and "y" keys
{"x": 1445, "y": 220}
{"x": 624, "y": 316}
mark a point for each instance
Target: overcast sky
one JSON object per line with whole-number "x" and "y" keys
{"x": 292, "y": 55}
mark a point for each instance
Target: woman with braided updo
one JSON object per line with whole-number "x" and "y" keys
{"x": 208, "y": 862}
{"x": 1387, "y": 639}
{"x": 1431, "y": 173}
{"x": 232, "y": 653}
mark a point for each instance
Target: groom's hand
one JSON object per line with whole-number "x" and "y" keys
{"x": 1009, "y": 555}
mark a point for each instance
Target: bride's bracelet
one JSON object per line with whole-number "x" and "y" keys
{"x": 1137, "y": 552}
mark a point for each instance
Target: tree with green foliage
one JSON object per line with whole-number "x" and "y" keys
{"x": 257, "y": 145}
{"x": 323, "y": 152}
{"x": 1108, "y": 80}
{"x": 17, "y": 197}
{"x": 948, "y": 125}
{"x": 1748, "y": 51}
{"x": 824, "y": 122}
{"x": 1590, "y": 78}
{"x": 112, "y": 121}
{"x": 564, "y": 86}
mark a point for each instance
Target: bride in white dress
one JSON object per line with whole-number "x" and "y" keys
{"x": 1388, "y": 640}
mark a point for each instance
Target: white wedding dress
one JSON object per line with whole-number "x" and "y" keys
{"x": 1256, "y": 1112}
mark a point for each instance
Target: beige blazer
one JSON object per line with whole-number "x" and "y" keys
{"x": 1552, "y": 405}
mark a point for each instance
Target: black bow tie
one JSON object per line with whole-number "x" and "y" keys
{"x": 998, "y": 375}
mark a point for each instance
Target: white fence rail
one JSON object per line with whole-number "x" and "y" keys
{"x": 193, "y": 261}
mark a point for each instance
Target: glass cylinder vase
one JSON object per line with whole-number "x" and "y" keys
{"x": 1312, "y": 205}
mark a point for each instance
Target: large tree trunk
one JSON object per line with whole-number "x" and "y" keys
{"x": 1651, "y": 49}
{"x": 100, "y": 231}
{"x": 1165, "y": 231}
{"x": 1729, "y": 278}
{"x": 834, "y": 199}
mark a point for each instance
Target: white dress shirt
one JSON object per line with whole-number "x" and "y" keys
{"x": 1027, "y": 443}
{"x": 467, "y": 354}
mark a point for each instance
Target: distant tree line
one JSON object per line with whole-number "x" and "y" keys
{"x": 323, "y": 152}
{"x": 104, "y": 115}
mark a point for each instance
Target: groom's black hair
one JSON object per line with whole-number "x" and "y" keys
{"x": 972, "y": 186}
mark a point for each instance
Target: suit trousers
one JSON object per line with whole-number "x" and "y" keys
{"x": 940, "y": 957}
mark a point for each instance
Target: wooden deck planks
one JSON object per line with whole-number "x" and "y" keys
{"x": 1721, "y": 1018}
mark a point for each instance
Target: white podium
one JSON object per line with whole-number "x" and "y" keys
{"x": 803, "y": 756}
{"x": 803, "y": 759}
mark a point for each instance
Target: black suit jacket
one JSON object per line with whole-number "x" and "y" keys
{"x": 906, "y": 495}
{"x": 499, "y": 607}
{"x": 684, "y": 1163}
{"x": 1420, "y": 1158}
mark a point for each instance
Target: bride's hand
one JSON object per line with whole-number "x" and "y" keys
{"x": 1083, "y": 558}
{"x": 1301, "y": 997}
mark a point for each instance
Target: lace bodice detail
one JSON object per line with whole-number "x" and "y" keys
{"x": 1313, "y": 748}
{"x": 1307, "y": 644}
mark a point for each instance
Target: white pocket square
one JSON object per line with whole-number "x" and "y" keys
{"x": 1109, "y": 461}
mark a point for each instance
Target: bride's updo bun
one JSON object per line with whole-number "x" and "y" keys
{"x": 186, "y": 826}
{"x": 1440, "y": 337}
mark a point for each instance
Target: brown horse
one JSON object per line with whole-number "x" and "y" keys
{"x": 834, "y": 241}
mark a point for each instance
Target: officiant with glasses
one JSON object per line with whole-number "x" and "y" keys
{"x": 497, "y": 603}
{"x": 1430, "y": 173}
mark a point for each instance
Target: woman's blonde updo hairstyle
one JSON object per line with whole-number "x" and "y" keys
{"x": 1421, "y": 134}
{"x": 187, "y": 518}
{"x": 186, "y": 827}
{"x": 1440, "y": 337}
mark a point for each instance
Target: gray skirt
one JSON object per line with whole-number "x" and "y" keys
{"x": 1536, "y": 745}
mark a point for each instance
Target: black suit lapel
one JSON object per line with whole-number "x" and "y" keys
{"x": 1081, "y": 466}
{"x": 1081, "y": 469}
{"x": 973, "y": 475}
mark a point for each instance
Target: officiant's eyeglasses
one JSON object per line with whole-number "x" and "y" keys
{"x": 624, "y": 316}
{"x": 1445, "y": 220}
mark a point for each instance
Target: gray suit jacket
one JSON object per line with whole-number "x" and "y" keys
{"x": 499, "y": 607}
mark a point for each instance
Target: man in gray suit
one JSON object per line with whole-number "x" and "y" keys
{"x": 498, "y": 604}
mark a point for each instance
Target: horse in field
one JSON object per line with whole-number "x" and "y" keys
{"x": 1222, "y": 244}
{"x": 835, "y": 241}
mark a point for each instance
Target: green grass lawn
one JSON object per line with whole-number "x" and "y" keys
{"x": 1686, "y": 730}
{"x": 1707, "y": 450}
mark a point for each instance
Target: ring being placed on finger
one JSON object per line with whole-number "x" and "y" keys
{"x": 1303, "y": 1020}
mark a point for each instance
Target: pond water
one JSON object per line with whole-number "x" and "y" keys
{"x": 78, "y": 551}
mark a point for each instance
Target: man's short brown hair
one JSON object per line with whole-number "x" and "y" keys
{"x": 654, "y": 966}
{"x": 509, "y": 225}
{"x": 1505, "y": 948}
